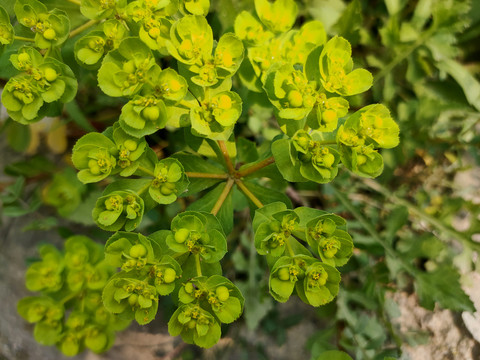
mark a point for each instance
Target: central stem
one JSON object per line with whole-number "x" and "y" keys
{"x": 228, "y": 161}
{"x": 197, "y": 265}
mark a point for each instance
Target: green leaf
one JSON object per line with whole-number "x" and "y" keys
{"x": 195, "y": 163}
{"x": 207, "y": 202}
{"x": 442, "y": 285}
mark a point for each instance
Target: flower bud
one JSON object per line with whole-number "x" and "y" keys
{"x": 222, "y": 293}
{"x": 50, "y": 74}
{"x": 295, "y": 98}
{"x": 181, "y": 235}
{"x": 151, "y": 113}
{"x": 169, "y": 275}
{"x": 283, "y": 274}
{"x": 49, "y": 34}
{"x": 137, "y": 251}
{"x": 130, "y": 145}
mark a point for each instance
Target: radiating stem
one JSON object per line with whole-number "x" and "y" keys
{"x": 197, "y": 265}
{"x": 248, "y": 193}
{"x": 228, "y": 161}
{"x": 251, "y": 169}
{"x": 206, "y": 175}
{"x": 145, "y": 170}
{"x": 83, "y": 27}
{"x": 21, "y": 38}
{"x": 222, "y": 197}
{"x": 76, "y": 2}
{"x": 289, "y": 248}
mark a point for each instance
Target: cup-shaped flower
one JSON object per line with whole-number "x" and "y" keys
{"x": 317, "y": 162}
{"x": 51, "y": 28}
{"x": 143, "y": 115}
{"x": 216, "y": 117}
{"x": 154, "y": 31}
{"x": 6, "y": 29}
{"x": 336, "y": 73}
{"x": 249, "y": 29}
{"x": 285, "y": 273}
{"x": 279, "y": 16}
{"x": 271, "y": 237}
{"x": 22, "y": 99}
{"x": 224, "y": 298}
{"x": 80, "y": 251}
{"x": 289, "y": 91}
{"x": 129, "y": 150}
{"x": 320, "y": 284}
{"x": 333, "y": 245}
{"x": 131, "y": 251}
{"x": 47, "y": 274}
{"x": 197, "y": 233}
{"x": 325, "y": 116}
{"x": 47, "y": 314}
{"x": 169, "y": 181}
{"x": 195, "y": 325}
{"x": 195, "y": 7}
{"x": 301, "y": 42}
{"x": 131, "y": 297}
{"x": 91, "y": 48}
{"x": 118, "y": 209}
{"x": 374, "y": 124}
{"x": 358, "y": 157}
{"x": 94, "y": 155}
{"x": 125, "y": 71}
{"x": 228, "y": 55}
{"x": 191, "y": 40}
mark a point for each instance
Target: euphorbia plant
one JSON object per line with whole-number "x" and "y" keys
{"x": 161, "y": 57}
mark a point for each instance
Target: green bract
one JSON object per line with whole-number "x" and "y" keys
{"x": 199, "y": 234}
{"x": 278, "y": 16}
{"x": 118, "y": 209}
{"x": 91, "y": 48}
{"x": 94, "y": 155}
{"x": 51, "y": 28}
{"x": 336, "y": 69}
{"x": 125, "y": 70}
{"x": 195, "y": 7}
{"x": 101, "y": 9}
{"x": 169, "y": 181}
{"x": 286, "y": 272}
